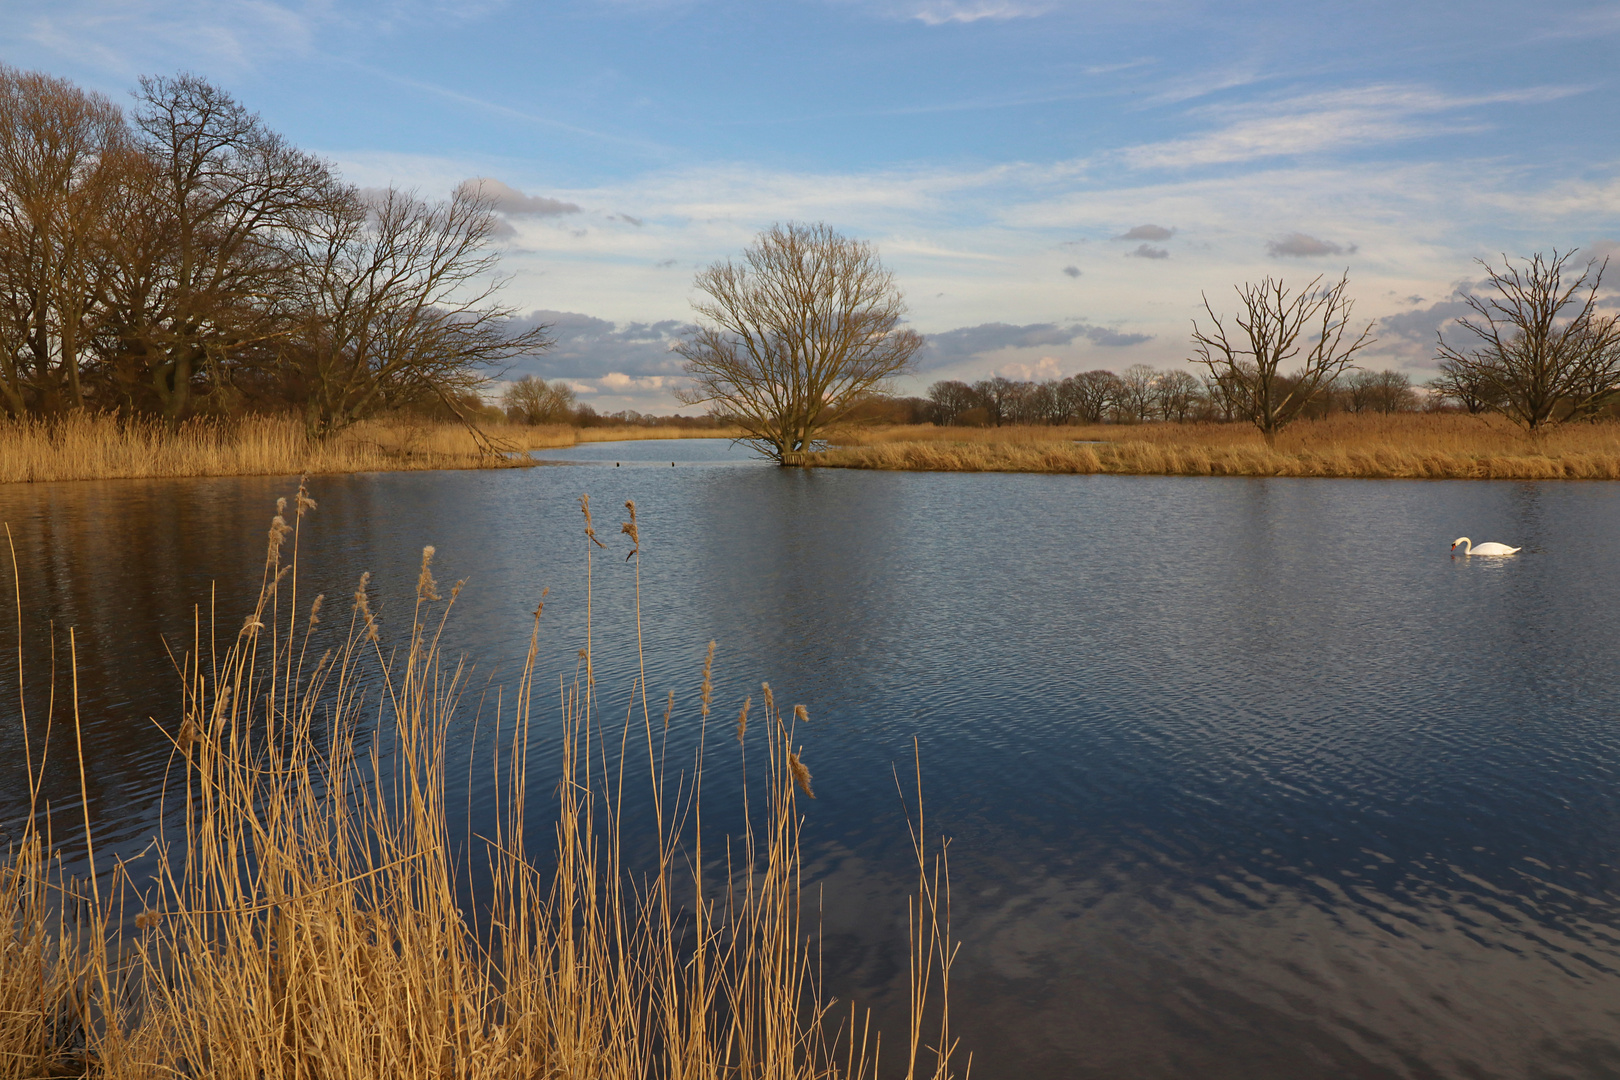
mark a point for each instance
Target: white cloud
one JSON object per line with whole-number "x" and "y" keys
{"x": 1047, "y": 367}
{"x": 944, "y": 12}
{"x": 1315, "y": 123}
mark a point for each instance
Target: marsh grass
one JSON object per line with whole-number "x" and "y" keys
{"x": 101, "y": 447}
{"x": 304, "y": 918}
{"x": 1428, "y": 446}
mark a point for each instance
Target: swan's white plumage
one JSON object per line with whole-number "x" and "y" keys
{"x": 1471, "y": 548}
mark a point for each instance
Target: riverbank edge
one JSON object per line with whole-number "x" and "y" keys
{"x": 1133, "y": 458}
{"x": 98, "y": 448}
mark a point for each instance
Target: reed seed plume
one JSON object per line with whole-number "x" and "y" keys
{"x": 629, "y": 528}
{"x": 590, "y": 529}
{"x": 362, "y": 606}
{"x": 801, "y": 714}
{"x": 706, "y": 691}
{"x": 278, "y": 533}
{"x": 742, "y": 718}
{"x": 426, "y": 588}
{"x": 669, "y": 709}
{"x": 315, "y": 610}
{"x": 801, "y": 774}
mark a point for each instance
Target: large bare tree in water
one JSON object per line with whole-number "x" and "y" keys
{"x": 794, "y": 335}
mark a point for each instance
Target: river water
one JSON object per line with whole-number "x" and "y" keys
{"x": 1244, "y": 777}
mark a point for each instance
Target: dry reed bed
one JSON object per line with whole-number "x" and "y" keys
{"x": 100, "y": 447}
{"x": 1415, "y": 447}
{"x": 97, "y": 447}
{"x": 305, "y": 922}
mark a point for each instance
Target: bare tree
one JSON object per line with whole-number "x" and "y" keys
{"x": 60, "y": 151}
{"x": 1094, "y": 394}
{"x": 1464, "y": 386}
{"x": 532, "y": 400}
{"x": 1541, "y": 352}
{"x": 797, "y": 333}
{"x": 203, "y": 266}
{"x": 1275, "y": 328}
{"x": 1134, "y": 396}
{"x": 996, "y": 395}
{"x": 397, "y": 305}
{"x": 1175, "y": 393}
{"x": 951, "y": 399}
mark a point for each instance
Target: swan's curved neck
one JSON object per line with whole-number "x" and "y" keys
{"x": 1468, "y": 545}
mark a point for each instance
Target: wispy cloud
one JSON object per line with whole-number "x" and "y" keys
{"x": 129, "y": 37}
{"x": 945, "y": 12}
{"x": 1314, "y": 123}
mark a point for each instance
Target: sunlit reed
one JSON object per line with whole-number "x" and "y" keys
{"x": 1416, "y": 446}
{"x": 304, "y": 918}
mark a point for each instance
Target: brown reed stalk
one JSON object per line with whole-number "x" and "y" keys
{"x": 304, "y": 923}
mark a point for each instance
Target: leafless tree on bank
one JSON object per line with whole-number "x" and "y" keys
{"x": 950, "y": 399}
{"x": 1379, "y": 391}
{"x": 1134, "y": 393}
{"x": 1274, "y": 328}
{"x": 996, "y": 397}
{"x": 795, "y": 335}
{"x": 398, "y": 306}
{"x": 1541, "y": 351}
{"x": 60, "y": 152}
{"x": 532, "y": 400}
{"x": 1175, "y": 393}
{"x": 202, "y": 264}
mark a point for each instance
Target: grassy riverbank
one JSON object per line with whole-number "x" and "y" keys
{"x": 1418, "y": 445}
{"x": 307, "y": 914}
{"x": 100, "y": 447}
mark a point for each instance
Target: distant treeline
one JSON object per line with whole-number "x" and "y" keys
{"x": 1136, "y": 395}
{"x": 532, "y": 400}
{"x": 185, "y": 259}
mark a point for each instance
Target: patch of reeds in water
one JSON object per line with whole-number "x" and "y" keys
{"x": 1418, "y": 446}
{"x": 304, "y": 919}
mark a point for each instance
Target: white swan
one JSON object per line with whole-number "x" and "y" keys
{"x": 1482, "y": 549}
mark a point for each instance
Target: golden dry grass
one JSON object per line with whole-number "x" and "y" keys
{"x": 92, "y": 447}
{"x": 99, "y": 447}
{"x": 306, "y": 923}
{"x": 1427, "y": 446}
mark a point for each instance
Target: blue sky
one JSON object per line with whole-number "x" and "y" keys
{"x": 1053, "y": 182}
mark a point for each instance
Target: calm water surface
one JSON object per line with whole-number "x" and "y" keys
{"x": 1246, "y": 778}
